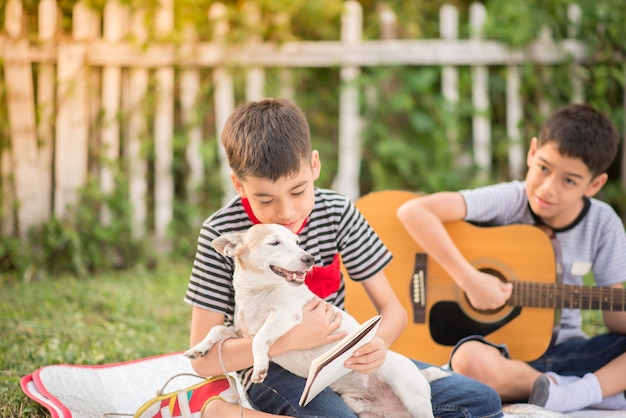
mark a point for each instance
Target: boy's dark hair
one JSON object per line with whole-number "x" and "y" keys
{"x": 268, "y": 139}
{"x": 580, "y": 131}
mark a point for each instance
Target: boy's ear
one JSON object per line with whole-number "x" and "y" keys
{"x": 316, "y": 164}
{"x": 237, "y": 184}
{"x": 596, "y": 184}
{"x": 532, "y": 149}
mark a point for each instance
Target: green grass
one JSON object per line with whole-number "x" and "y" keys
{"x": 108, "y": 318}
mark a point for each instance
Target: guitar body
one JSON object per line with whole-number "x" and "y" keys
{"x": 439, "y": 313}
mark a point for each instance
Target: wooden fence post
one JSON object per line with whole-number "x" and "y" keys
{"x": 513, "y": 119}
{"x": 72, "y": 126}
{"x": 348, "y": 167}
{"x": 27, "y": 169}
{"x": 574, "y": 14}
{"x": 14, "y": 15}
{"x": 113, "y": 30}
{"x": 449, "y": 30}
{"x": 189, "y": 98}
{"x": 388, "y": 23}
{"x": 46, "y": 88}
{"x": 481, "y": 127}
{"x": 224, "y": 95}
{"x": 8, "y": 205}
{"x": 546, "y": 75}
{"x": 255, "y": 75}
{"x": 136, "y": 164}
{"x": 285, "y": 75}
{"x": 164, "y": 132}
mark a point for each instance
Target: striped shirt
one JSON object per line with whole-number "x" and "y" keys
{"x": 334, "y": 227}
{"x": 595, "y": 242}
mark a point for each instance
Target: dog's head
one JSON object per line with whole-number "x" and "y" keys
{"x": 268, "y": 250}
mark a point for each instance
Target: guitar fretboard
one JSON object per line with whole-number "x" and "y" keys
{"x": 556, "y": 295}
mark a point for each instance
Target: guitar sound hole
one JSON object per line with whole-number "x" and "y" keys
{"x": 500, "y": 276}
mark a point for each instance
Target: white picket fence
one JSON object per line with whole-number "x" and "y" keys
{"x": 101, "y": 72}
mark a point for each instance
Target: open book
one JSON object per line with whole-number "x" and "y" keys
{"x": 328, "y": 367}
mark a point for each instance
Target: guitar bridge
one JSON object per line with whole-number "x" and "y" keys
{"x": 417, "y": 288}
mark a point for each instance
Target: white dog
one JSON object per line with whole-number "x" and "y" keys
{"x": 270, "y": 268}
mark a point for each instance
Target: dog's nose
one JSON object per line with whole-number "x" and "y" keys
{"x": 308, "y": 260}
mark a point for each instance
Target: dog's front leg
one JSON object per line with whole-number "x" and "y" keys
{"x": 215, "y": 335}
{"x": 276, "y": 325}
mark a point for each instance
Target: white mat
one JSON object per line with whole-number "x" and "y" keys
{"x": 72, "y": 391}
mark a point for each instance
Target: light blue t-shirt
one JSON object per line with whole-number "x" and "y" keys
{"x": 595, "y": 242}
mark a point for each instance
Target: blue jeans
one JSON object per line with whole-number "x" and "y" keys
{"x": 578, "y": 357}
{"x": 455, "y": 396}
{"x": 574, "y": 357}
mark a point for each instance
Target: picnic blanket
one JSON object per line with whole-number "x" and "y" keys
{"x": 77, "y": 391}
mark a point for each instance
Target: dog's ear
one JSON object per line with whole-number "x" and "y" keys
{"x": 228, "y": 244}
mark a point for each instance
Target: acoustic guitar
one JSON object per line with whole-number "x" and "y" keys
{"x": 439, "y": 312}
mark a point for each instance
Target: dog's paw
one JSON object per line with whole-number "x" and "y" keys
{"x": 258, "y": 375}
{"x": 195, "y": 352}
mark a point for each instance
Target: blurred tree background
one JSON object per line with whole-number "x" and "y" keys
{"x": 406, "y": 120}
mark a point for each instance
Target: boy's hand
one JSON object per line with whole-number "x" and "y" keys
{"x": 318, "y": 327}
{"x": 487, "y": 292}
{"x": 369, "y": 357}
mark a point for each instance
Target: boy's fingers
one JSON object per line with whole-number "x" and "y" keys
{"x": 313, "y": 304}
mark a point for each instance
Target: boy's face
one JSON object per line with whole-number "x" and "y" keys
{"x": 556, "y": 184}
{"x": 288, "y": 201}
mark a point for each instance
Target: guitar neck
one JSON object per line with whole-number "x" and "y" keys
{"x": 557, "y": 295}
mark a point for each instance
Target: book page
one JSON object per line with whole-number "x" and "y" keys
{"x": 328, "y": 367}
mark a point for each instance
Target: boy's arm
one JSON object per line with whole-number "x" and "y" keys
{"x": 317, "y": 328}
{"x": 387, "y": 304}
{"x": 236, "y": 352}
{"x": 424, "y": 219}
{"x": 371, "y": 356}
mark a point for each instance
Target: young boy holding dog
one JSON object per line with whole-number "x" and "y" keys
{"x": 273, "y": 167}
{"x": 566, "y": 167}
